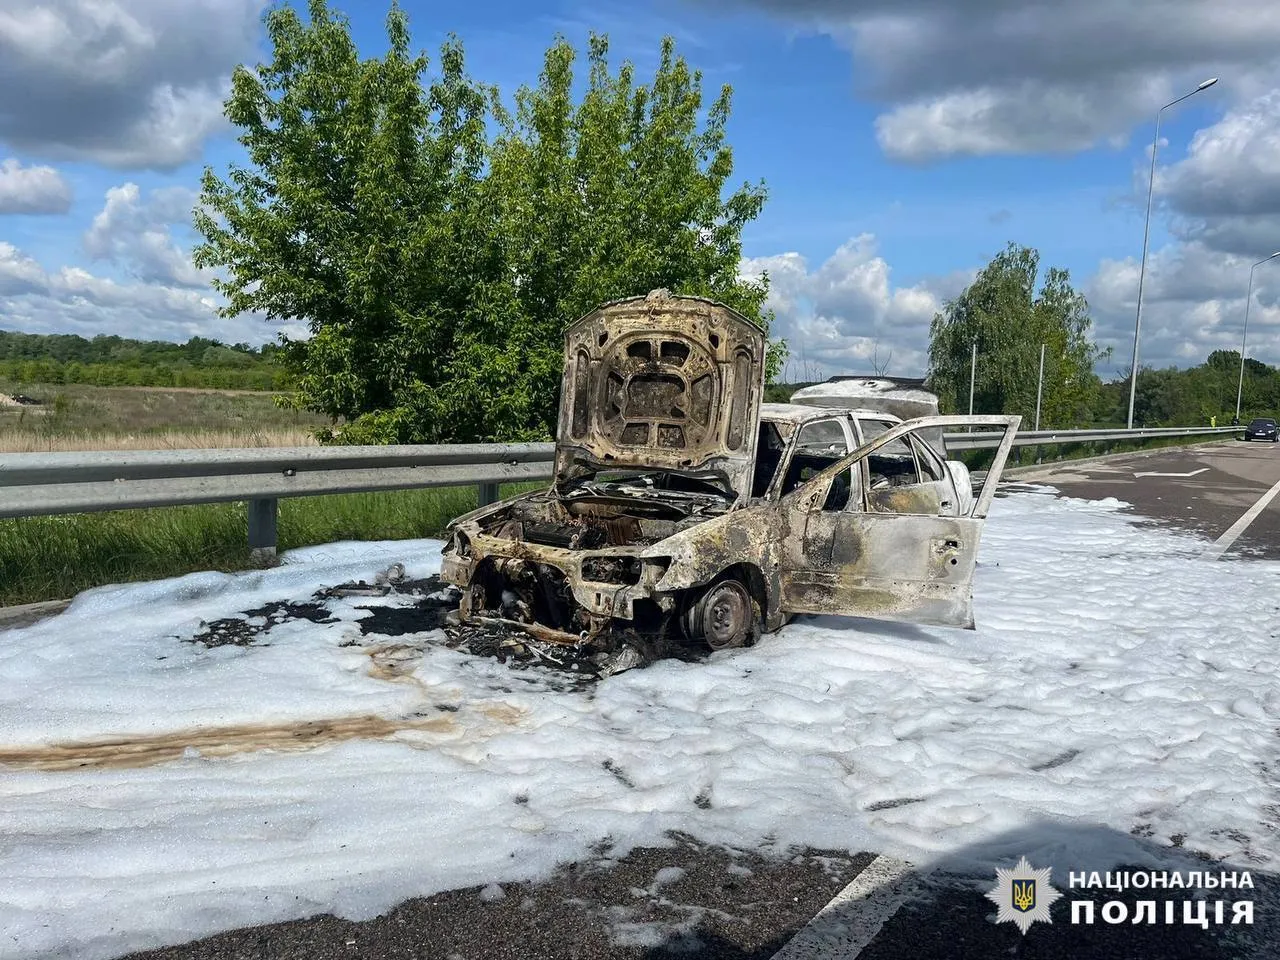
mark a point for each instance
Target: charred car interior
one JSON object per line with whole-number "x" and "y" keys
{"x": 686, "y": 512}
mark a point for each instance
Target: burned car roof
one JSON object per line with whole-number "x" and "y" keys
{"x": 902, "y": 398}
{"x": 803, "y": 413}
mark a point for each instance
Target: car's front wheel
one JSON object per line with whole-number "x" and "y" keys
{"x": 723, "y": 617}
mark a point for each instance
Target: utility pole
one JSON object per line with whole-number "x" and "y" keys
{"x": 1146, "y": 233}
{"x": 973, "y": 370}
{"x": 1039, "y": 386}
{"x": 1245, "y": 335}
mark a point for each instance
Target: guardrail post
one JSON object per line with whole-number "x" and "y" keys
{"x": 487, "y": 494}
{"x": 262, "y": 532}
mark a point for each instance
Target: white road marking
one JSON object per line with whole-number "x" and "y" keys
{"x": 1154, "y": 474}
{"x": 1224, "y": 542}
{"x": 854, "y": 916}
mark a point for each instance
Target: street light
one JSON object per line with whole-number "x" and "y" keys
{"x": 1146, "y": 231}
{"x": 973, "y": 373}
{"x": 1244, "y": 336}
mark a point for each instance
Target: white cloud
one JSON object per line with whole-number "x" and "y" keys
{"x": 1226, "y": 192}
{"x": 32, "y": 189}
{"x": 138, "y": 234}
{"x": 985, "y": 77}
{"x": 846, "y": 316}
{"x": 1030, "y": 76}
{"x": 137, "y": 84}
{"x": 1193, "y": 303}
{"x": 73, "y": 300}
{"x": 19, "y": 274}
{"x": 1232, "y": 166}
{"x": 1223, "y": 205}
{"x": 1030, "y": 117}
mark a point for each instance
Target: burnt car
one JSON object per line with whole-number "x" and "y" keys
{"x": 1262, "y": 428}
{"x": 683, "y": 508}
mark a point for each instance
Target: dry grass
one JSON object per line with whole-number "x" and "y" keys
{"x": 81, "y": 417}
{"x": 28, "y": 441}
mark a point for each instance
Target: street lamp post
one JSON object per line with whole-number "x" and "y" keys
{"x": 1039, "y": 386}
{"x": 1244, "y": 336}
{"x": 1146, "y": 232}
{"x": 973, "y": 373}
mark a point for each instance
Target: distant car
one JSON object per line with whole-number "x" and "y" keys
{"x": 1262, "y": 428}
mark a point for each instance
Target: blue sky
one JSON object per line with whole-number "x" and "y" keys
{"x": 903, "y": 144}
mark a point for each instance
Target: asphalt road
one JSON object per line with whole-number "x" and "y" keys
{"x": 687, "y": 900}
{"x": 1205, "y": 488}
{"x": 721, "y": 903}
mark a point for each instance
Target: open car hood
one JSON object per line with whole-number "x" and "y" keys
{"x": 661, "y": 382}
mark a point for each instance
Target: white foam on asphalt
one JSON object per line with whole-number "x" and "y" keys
{"x": 1117, "y": 678}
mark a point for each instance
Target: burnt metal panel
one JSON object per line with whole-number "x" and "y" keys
{"x": 671, "y": 383}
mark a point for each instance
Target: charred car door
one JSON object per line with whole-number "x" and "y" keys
{"x": 898, "y": 547}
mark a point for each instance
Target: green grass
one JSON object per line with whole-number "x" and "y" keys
{"x": 51, "y": 558}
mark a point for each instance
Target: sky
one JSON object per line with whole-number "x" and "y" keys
{"x": 903, "y": 143}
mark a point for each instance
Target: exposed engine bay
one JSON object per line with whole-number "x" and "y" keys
{"x": 595, "y": 530}
{"x": 629, "y": 511}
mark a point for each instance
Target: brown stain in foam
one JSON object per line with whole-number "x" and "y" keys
{"x": 150, "y": 749}
{"x": 502, "y": 712}
{"x": 394, "y": 661}
{"x": 391, "y": 662}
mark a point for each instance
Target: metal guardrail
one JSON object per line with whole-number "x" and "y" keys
{"x": 1035, "y": 438}
{"x": 38, "y": 484}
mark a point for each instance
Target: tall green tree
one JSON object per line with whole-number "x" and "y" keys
{"x": 612, "y": 195}
{"x": 1191, "y": 396}
{"x": 1009, "y": 319}
{"x": 437, "y": 243}
{"x": 360, "y": 212}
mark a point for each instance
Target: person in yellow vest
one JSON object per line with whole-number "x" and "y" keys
{"x": 1213, "y": 421}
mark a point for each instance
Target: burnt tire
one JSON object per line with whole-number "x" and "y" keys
{"x": 724, "y": 616}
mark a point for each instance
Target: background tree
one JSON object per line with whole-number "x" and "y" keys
{"x": 437, "y": 263}
{"x": 30, "y": 358}
{"x": 1009, "y": 319}
{"x": 1191, "y": 396}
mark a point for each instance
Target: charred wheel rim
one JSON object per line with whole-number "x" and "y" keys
{"x": 725, "y": 613}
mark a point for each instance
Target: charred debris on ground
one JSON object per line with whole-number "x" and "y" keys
{"x": 428, "y": 606}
